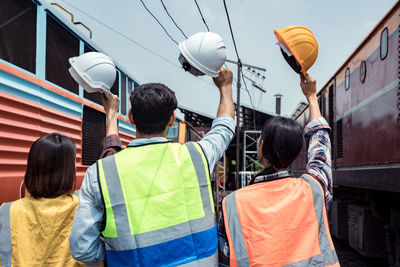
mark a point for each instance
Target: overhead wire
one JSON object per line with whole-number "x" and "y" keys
{"x": 121, "y": 34}
{"x": 169, "y": 15}
{"x": 247, "y": 90}
{"x": 237, "y": 53}
{"x": 128, "y": 38}
{"x": 201, "y": 14}
{"x": 162, "y": 26}
{"x": 230, "y": 28}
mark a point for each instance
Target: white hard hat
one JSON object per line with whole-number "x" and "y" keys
{"x": 94, "y": 71}
{"x": 205, "y": 52}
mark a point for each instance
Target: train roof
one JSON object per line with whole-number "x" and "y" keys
{"x": 367, "y": 38}
{"x": 82, "y": 33}
{"x": 361, "y": 45}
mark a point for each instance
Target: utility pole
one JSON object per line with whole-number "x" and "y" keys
{"x": 239, "y": 65}
{"x": 278, "y": 103}
{"x": 238, "y": 83}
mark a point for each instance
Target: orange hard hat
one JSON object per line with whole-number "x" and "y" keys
{"x": 299, "y": 47}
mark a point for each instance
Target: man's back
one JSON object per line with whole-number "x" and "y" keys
{"x": 152, "y": 194}
{"x": 158, "y": 203}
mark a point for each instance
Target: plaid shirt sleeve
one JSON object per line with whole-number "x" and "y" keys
{"x": 111, "y": 144}
{"x": 316, "y": 134}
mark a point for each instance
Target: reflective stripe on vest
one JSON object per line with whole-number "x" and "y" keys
{"x": 5, "y": 235}
{"x": 242, "y": 257}
{"x": 159, "y": 207}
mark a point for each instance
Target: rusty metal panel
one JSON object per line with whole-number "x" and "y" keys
{"x": 126, "y": 138}
{"x": 21, "y": 123}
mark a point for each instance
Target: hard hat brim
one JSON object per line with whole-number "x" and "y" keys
{"x": 82, "y": 81}
{"x": 278, "y": 34}
{"x": 194, "y": 62}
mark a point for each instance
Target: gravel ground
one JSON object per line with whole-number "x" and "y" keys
{"x": 348, "y": 257}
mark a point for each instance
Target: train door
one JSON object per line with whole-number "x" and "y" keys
{"x": 331, "y": 120}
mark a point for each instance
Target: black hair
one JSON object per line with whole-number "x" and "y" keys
{"x": 282, "y": 141}
{"x": 152, "y": 106}
{"x": 51, "y": 169}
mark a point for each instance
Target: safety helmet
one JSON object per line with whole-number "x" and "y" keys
{"x": 203, "y": 53}
{"x": 298, "y": 46}
{"x": 94, "y": 71}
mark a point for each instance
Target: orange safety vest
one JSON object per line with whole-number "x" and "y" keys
{"x": 279, "y": 223}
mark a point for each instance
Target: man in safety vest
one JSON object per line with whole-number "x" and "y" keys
{"x": 279, "y": 220}
{"x": 151, "y": 203}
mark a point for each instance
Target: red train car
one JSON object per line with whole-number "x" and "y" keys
{"x": 361, "y": 102}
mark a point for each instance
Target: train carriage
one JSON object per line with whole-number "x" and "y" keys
{"x": 361, "y": 102}
{"x": 38, "y": 96}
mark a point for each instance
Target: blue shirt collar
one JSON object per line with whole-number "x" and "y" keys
{"x": 145, "y": 141}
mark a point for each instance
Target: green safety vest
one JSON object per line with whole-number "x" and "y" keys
{"x": 159, "y": 206}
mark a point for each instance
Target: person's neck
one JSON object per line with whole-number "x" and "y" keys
{"x": 276, "y": 170}
{"x": 147, "y": 136}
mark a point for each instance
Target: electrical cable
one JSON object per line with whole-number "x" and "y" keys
{"x": 169, "y": 15}
{"x": 122, "y": 35}
{"x": 247, "y": 90}
{"x": 237, "y": 54}
{"x": 130, "y": 40}
{"x": 165, "y": 30}
{"x": 230, "y": 28}
{"x": 201, "y": 14}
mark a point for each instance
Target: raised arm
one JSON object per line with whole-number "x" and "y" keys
{"x": 224, "y": 84}
{"x": 216, "y": 141}
{"x": 316, "y": 134}
{"x": 111, "y": 143}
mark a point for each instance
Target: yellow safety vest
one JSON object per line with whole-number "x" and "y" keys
{"x": 34, "y": 232}
{"x": 159, "y": 207}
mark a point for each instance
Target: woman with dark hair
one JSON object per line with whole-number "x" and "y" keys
{"x": 34, "y": 230}
{"x": 280, "y": 220}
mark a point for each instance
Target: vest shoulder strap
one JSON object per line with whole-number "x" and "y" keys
{"x": 5, "y": 234}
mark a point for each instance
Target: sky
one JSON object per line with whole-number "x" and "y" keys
{"x": 125, "y": 31}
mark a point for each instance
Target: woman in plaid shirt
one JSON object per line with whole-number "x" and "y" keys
{"x": 279, "y": 220}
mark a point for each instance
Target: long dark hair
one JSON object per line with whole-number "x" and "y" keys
{"x": 282, "y": 141}
{"x": 51, "y": 166}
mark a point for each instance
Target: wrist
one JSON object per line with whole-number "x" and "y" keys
{"x": 111, "y": 116}
{"x": 312, "y": 98}
{"x": 225, "y": 89}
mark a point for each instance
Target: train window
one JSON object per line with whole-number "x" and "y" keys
{"x": 95, "y": 97}
{"x": 173, "y": 131}
{"x": 347, "y": 79}
{"x": 60, "y": 46}
{"x": 130, "y": 87}
{"x": 88, "y": 49}
{"x": 363, "y": 71}
{"x": 384, "y": 43}
{"x": 93, "y": 132}
{"x": 115, "y": 88}
{"x": 123, "y": 94}
{"x": 18, "y": 33}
